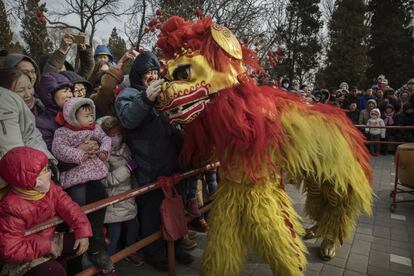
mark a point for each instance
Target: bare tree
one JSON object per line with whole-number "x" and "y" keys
{"x": 90, "y": 13}
{"x": 140, "y": 14}
{"x": 258, "y": 22}
{"x": 327, "y": 9}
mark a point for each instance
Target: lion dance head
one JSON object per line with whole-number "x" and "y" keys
{"x": 202, "y": 58}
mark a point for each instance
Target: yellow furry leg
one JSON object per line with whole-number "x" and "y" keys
{"x": 273, "y": 227}
{"x": 335, "y": 214}
{"x": 226, "y": 247}
{"x": 259, "y": 215}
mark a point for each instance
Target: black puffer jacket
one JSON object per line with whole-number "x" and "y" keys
{"x": 151, "y": 139}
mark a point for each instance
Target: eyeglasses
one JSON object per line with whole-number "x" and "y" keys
{"x": 79, "y": 92}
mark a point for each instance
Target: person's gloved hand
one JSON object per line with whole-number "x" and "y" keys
{"x": 55, "y": 171}
{"x": 131, "y": 165}
{"x": 154, "y": 90}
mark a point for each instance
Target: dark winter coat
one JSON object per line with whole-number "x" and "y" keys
{"x": 149, "y": 136}
{"x": 363, "y": 101}
{"x": 405, "y": 119}
{"x": 18, "y": 214}
{"x": 45, "y": 122}
{"x": 353, "y": 116}
{"x": 104, "y": 98}
{"x": 54, "y": 61}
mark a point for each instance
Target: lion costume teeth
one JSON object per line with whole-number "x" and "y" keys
{"x": 257, "y": 133}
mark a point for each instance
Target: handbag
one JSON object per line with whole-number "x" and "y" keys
{"x": 174, "y": 223}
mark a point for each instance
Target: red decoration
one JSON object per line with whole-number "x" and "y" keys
{"x": 152, "y": 23}
{"x": 271, "y": 59}
{"x": 146, "y": 30}
{"x": 158, "y": 12}
{"x": 198, "y": 12}
{"x": 279, "y": 54}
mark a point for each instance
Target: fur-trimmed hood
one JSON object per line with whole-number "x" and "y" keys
{"x": 72, "y": 105}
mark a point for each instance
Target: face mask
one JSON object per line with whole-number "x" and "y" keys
{"x": 285, "y": 84}
{"x": 116, "y": 142}
{"x": 43, "y": 182}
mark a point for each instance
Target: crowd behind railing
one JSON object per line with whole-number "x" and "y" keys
{"x": 377, "y": 106}
{"x": 94, "y": 131}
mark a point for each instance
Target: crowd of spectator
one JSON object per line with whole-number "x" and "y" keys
{"x": 70, "y": 137}
{"x": 378, "y": 105}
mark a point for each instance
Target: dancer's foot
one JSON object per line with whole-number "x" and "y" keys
{"x": 310, "y": 233}
{"x": 327, "y": 250}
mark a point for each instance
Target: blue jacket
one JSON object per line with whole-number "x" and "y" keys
{"x": 152, "y": 140}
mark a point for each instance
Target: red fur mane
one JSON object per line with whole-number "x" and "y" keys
{"x": 235, "y": 125}
{"x": 177, "y": 33}
{"x": 243, "y": 124}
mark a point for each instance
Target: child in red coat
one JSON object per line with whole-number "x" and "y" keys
{"x": 33, "y": 198}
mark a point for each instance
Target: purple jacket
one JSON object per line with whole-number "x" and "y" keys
{"x": 45, "y": 122}
{"x": 66, "y": 141}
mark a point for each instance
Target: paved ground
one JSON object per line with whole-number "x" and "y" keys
{"x": 382, "y": 245}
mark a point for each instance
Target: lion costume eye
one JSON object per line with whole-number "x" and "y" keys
{"x": 182, "y": 72}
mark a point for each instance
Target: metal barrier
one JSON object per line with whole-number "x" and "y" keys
{"x": 121, "y": 197}
{"x": 92, "y": 207}
{"x": 386, "y": 127}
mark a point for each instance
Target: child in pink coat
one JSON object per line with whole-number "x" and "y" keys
{"x": 83, "y": 181}
{"x": 78, "y": 121}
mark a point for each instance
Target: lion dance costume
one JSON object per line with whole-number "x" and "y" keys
{"x": 257, "y": 132}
